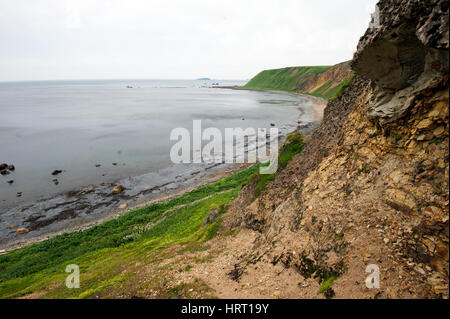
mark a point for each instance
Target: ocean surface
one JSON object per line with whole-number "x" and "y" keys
{"x": 116, "y": 130}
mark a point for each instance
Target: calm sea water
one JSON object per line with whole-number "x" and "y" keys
{"x": 75, "y": 125}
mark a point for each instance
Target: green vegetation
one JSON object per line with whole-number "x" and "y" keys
{"x": 293, "y": 145}
{"x": 326, "y": 287}
{"x": 103, "y": 251}
{"x": 337, "y": 91}
{"x": 284, "y": 79}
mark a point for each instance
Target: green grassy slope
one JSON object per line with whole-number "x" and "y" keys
{"x": 283, "y": 79}
{"x": 286, "y": 79}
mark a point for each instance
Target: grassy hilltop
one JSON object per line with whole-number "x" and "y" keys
{"x": 319, "y": 81}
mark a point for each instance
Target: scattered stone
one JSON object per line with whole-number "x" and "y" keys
{"x": 19, "y": 194}
{"x": 117, "y": 189}
{"x": 386, "y": 240}
{"x": 56, "y": 172}
{"x": 424, "y": 124}
{"x": 98, "y": 165}
{"x": 10, "y": 182}
{"x": 440, "y": 289}
{"x": 272, "y": 124}
{"x": 123, "y": 205}
{"x": 13, "y": 225}
{"x": 55, "y": 181}
{"x": 114, "y": 164}
{"x": 22, "y": 231}
{"x": 4, "y": 172}
{"x": 11, "y": 167}
{"x": 3, "y": 166}
{"x": 87, "y": 191}
{"x": 420, "y": 270}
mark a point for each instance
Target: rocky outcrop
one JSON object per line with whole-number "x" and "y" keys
{"x": 371, "y": 185}
{"x": 404, "y": 55}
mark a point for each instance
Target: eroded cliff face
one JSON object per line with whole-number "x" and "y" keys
{"x": 328, "y": 80}
{"x": 371, "y": 185}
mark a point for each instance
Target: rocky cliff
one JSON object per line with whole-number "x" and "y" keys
{"x": 371, "y": 185}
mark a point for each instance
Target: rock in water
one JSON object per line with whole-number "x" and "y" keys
{"x": 123, "y": 205}
{"x": 3, "y": 166}
{"x": 13, "y": 225}
{"x": 4, "y": 172}
{"x": 56, "y": 172}
{"x": 22, "y": 231}
{"x": 117, "y": 189}
{"x": 11, "y": 167}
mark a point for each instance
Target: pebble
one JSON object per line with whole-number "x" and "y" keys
{"x": 117, "y": 189}
{"x": 13, "y": 225}
{"x": 123, "y": 205}
{"x": 420, "y": 270}
{"x": 22, "y": 231}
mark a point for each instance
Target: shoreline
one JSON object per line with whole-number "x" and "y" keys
{"x": 318, "y": 105}
{"x": 117, "y": 212}
{"x": 164, "y": 192}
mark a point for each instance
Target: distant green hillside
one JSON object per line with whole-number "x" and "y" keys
{"x": 284, "y": 79}
{"x": 320, "y": 81}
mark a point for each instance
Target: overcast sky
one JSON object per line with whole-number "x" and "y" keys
{"x": 174, "y": 39}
